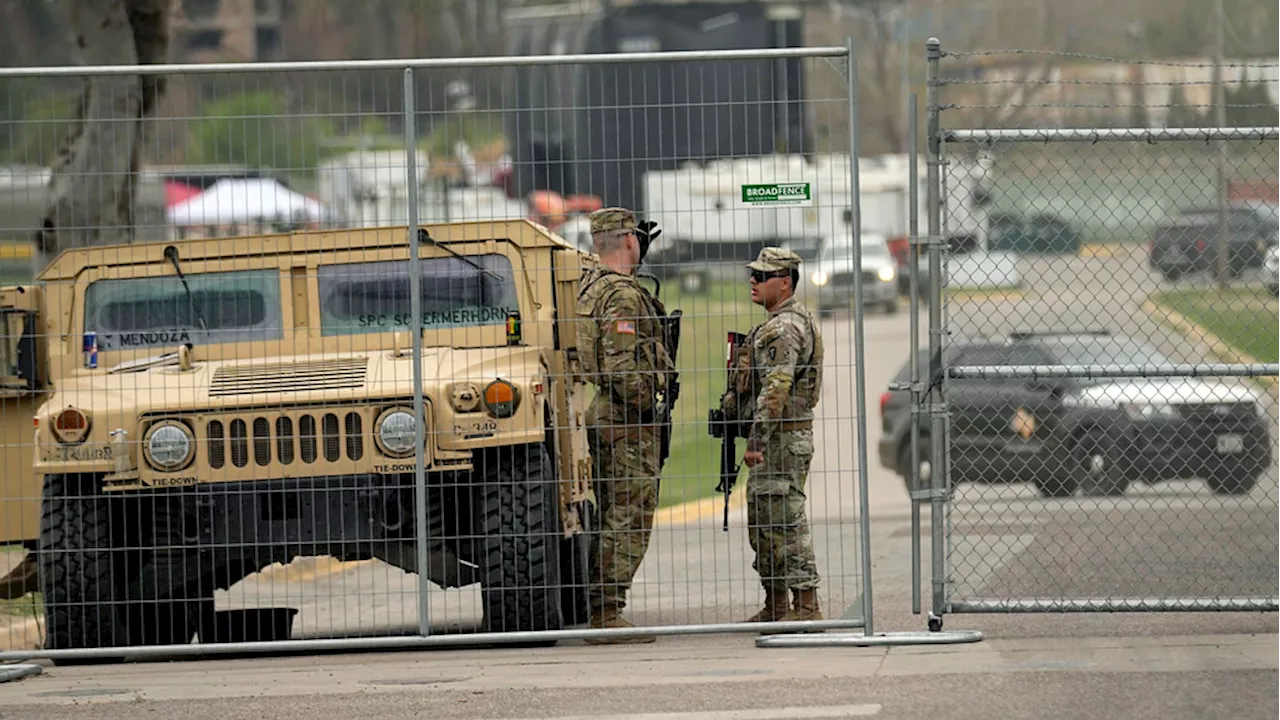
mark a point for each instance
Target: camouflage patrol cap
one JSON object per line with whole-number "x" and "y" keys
{"x": 612, "y": 218}
{"x": 775, "y": 259}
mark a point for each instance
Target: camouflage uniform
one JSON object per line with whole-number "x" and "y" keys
{"x": 619, "y": 341}
{"x": 778, "y": 385}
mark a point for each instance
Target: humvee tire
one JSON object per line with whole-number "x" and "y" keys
{"x": 95, "y": 593}
{"x": 521, "y": 557}
{"x": 75, "y": 566}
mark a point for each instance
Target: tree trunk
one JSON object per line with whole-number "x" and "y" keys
{"x": 95, "y": 173}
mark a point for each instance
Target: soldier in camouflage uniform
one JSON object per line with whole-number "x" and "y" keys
{"x": 620, "y": 343}
{"x": 777, "y": 382}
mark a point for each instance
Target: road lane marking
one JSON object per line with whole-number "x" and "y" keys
{"x": 778, "y": 713}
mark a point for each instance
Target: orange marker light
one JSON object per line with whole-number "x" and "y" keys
{"x": 500, "y": 398}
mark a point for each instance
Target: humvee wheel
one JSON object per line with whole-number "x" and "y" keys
{"x": 520, "y": 521}
{"x": 91, "y": 588}
{"x": 75, "y": 567}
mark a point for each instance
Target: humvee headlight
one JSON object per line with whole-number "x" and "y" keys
{"x": 169, "y": 446}
{"x": 501, "y": 398}
{"x": 397, "y": 431}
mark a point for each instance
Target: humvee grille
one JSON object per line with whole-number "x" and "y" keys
{"x": 284, "y": 377}
{"x": 320, "y": 437}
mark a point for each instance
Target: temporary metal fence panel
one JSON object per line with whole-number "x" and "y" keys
{"x": 332, "y": 393}
{"x": 1099, "y": 389}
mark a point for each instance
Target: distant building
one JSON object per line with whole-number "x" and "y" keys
{"x": 226, "y": 30}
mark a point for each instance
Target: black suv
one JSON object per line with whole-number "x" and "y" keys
{"x": 1090, "y": 435}
{"x": 1189, "y": 242}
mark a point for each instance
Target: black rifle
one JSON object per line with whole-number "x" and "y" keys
{"x": 727, "y": 429}
{"x": 671, "y": 338}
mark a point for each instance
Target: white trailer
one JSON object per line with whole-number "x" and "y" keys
{"x": 702, "y": 210}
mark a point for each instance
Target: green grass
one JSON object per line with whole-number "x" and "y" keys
{"x": 693, "y": 468}
{"x": 1244, "y": 318}
{"x": 29, "y": 605}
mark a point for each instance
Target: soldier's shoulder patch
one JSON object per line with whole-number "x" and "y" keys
{"x": 625, "y": 327}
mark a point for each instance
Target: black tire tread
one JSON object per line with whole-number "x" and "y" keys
{"x": 519, "y": 520}
{"x": 75, "y": 565}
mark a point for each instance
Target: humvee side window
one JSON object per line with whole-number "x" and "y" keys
{"x": 374, "y": 297}
{"x": 156, "y": 311}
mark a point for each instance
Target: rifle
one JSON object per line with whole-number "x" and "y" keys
{"x": 671, "y": 337}
{"x": 727, "y": 430}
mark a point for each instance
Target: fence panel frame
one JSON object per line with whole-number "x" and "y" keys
{"x": 941, "y": 373}
{"x": 425, "y": 638}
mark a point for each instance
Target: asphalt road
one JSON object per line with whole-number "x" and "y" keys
{"x": 1005, "y": 543}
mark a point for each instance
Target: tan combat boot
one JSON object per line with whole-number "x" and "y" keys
{"x": 806, "y": 607}
{"x": 775, "y": 607}
{"x": 611, "y": 617}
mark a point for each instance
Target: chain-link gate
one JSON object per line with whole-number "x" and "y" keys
{"x": 1098, "y": 402}
{"x": 320, "y": 388}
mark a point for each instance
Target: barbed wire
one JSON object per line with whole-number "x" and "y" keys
{"x": 1105, "y": 58}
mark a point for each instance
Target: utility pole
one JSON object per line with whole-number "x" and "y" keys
{"x": 1220, "y": 121}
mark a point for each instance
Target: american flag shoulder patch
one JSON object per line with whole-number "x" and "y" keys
{"x": 626, "y": 327}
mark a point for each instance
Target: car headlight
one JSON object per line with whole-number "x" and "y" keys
{"x": 886, "y": 274}
{"x": 169, "y": 446}
{"x": 820, "y": 278}
{"x": 397, "y": 432}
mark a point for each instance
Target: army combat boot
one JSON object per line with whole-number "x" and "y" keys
{"x": 775, "y": 607}
{"x": 806, "y": 606}
{"x": 611, "y": 617}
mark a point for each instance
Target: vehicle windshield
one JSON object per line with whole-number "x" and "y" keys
{"x": 131, "y": 313}
{"x": 373, "y": 297}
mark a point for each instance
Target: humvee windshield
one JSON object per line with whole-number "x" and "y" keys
{"x": 374, "y": 297}
{"x": 157, "y": 311}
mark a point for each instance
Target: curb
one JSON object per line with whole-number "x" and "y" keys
{"x": 1217, "y": 346}
{"x": 696, "y": 511}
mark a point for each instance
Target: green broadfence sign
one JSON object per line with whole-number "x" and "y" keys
{"x": 777, "y": 194}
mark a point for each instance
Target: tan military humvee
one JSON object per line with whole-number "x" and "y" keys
{"x": 206, "y": 408}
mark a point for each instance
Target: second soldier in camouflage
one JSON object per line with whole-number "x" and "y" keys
{"x": 778, "y": 380}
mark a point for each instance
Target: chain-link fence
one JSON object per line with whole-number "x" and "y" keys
{"x": 1098, "y": 409}
{"x": 267, "y": 410}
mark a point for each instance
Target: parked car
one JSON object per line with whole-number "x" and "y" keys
{"x": 1036, "y": 233}
{"x": 832, "y": 276}
{"x": 1188, "y": 243}
{"x": 1095, "y": 436}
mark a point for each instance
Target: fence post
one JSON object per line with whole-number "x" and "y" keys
{"x": 859, "y": 369}
{"x": 937, "y": 404}
{"x": 415, "y": 309}
{"x": 913, "y": 243}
